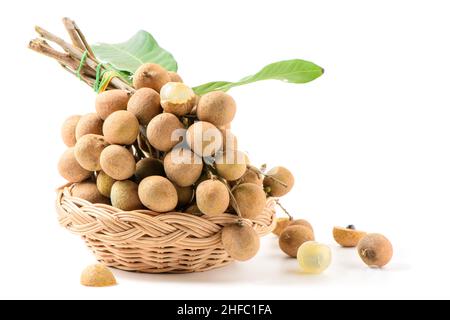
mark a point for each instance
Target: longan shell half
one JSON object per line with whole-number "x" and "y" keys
{"x": 183, "y": 167}
{"x": 88, "y": 191}
{"x": 121, "y": 127}
{"x": 111, "y": 101}
{"x": 148, "y": 167}
{"x": 293, "y": 237}
{"x": 212, "y": 197}
{"x": 158, "y": 194}
{"x": 68, "y": 130}
{"x": 145, "y": 105}
{"x": 70, "y": 169}
{"x": 280, "y": 174}
{"x": 250, "y": 200}
{"x": 124, "y": 196}
{"x": 88, "y": 150}
{"x": 150, "y": 75}
{"x": 281, "y": 224}
{"x": 347, "y": 238}
{"x": 241, "y": 242}
{"x": 90, "y": 123}
{"x": 160, "y": 131}
{"x": 117, "y": 162}
{"x": 204, "y": 138}
{"x": 97, "y": 275}
{"x": 216, "y": 107}
{"x": 375, "y": 250}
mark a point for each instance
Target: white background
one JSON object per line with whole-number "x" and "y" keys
{"x": 368, "y": 142}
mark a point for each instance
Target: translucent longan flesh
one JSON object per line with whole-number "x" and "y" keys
{"x": 176, "y": 92}
{"x": 314, "y": 257}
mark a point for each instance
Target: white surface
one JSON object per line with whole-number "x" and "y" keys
{"x": 368, "y": 142}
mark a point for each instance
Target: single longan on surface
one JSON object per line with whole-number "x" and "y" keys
{"x": 124, "y": 196}
{"x": 293, "y": 237}
{"x": 148, "y": 167}
{"x": 185, "y": 195}
{"x": 174, "y": 77}
{"x": 375, "y": 250}
{"x": 165, "y": 131}
{"x": 88, "y": 150}
{"x": 89, "y": 192}
{"x": 250, "y": 200}
{"x": 273, "y": 178}
{"x": 204, "y": 138}
{"x": 89, "y": 124}
{"x": 70, "y": 169}
{"x": 302, "y": 222}
{"x": 68, "y": 130}
{"x": 314, "y": 257}
{"x": 231, "y": 165}
{"x": 281, "y": 224}
{"x": 104, "y": 184}
{"x": 145, "y": 105}
{"x": 216, "y": 107}
{"x": 183, "y": 167}
{"x": 177, "y": 98}
{"x": 117, "y": 162}
{"x": 347, "y": 237}
{"x": 111, "y": 101}
{"x": 241, "y": 242}
{"x": 158, "y": 194}
{"x": 212, "y": 197}
{"x": 97, "y": 275}
{"x": 150, "y": 75}
{"x": 121, "y": 127}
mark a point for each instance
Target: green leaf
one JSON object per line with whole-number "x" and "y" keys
{"x": 293, "y": 71}
{"x": 128, "y": 56}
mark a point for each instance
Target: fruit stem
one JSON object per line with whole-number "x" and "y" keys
{"x": 277, "y": 201}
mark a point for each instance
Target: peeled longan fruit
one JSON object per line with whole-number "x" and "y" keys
{"x": 158, "y": 194}
{"x": 174, "y": 77}
{"x": 124, "y": 196}
{"x": 212, "y": 197}
{"x": 68, "y": 130}
{"x": 149, "y": 167}
{"x": 216, "y": 107}
{"x": 281, "y": 224}
{"x": 347, "y": 237}
{"x": 145, "y": 105}
{"x": 250, "y": 199}
{"x": 231, "y": 165}
{"x": 204, "y": 138}
{"x": 117, "y": 162}
{"x": 272, "y": 181}
{"x": 183, "y": 167}
{"x": 70, "y": 169}
{"x": 111, "y": 101}
{"x": 97, "y": 275}
{"x": 375, "y": 250}
{"x": 177, "y": 98}
{"x": 293, "y": 237}
{"x": 150, "y": 75}
{"x": 241, "y": 242}
{"x": 185, "y": 195}
{"x": 104, "y": 184}
{"x": 121, "y": 127}
{"x": 89, "y": 124}
{"x": 88, "y": 150}
{"x": 89, "y": 192}
{"x": 165, "y": 131}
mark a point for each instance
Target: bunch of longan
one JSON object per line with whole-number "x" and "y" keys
{"x": 164, "y": 148}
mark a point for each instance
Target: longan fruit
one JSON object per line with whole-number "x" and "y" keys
{"x": 375, "y": 250}
{"x": 281, "y": 224}
{"x": 68, "y": 130}
{"x": 89, "y": 192}
{"x": 212, "y": 197}
{"x": 204, "y": 138}
{"x": 230, "y": 142}
{"x": 302, "y": 222}
{"x": 89, "y": 124}
{"x": 121, "y": 127}
{"x": 150, "y": 75}
{"x": 117, "y": 162}
{"x": 183, "y": 167}
{"x": 158, "y": 194}
{"x": 185, "y": 195}
{"x": 252, "y": 176}
{"x": 104, "y": 184}
{"x": 174, "y": 77}
{"x": 124, "y": 196}
{"x": 164, "y": 131}
{"x": 293, "y": 237}
{"x": 231, "y": 165}
{"x": 145, "y": 105}
{"x": 193, "y": 209}
{"x": 70, "y": 169}
{"x": 241, "y": 242}
{"x": 177, "y": 98}
{"x": 280, "y": 174}
{"x": 88, "y": 150}
{"x": 148, "y": 167}
{"x": 216, "y": 107}
{"x": 97, "y": 275}
{"x": 111, "y": 101}
{"x": 250, "y": 200}
{"x": 347, "y": 237}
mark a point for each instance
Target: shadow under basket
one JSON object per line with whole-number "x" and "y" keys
{"x": 150, "y": 242}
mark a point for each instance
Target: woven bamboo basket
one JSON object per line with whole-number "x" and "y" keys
{"x": 149, "y": 242}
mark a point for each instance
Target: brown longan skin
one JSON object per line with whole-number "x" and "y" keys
{"x": 185, "y": 195}
{"x": 90, "y": 123}
{"x": 216, "y": 107}
{"x": 124, "y": 196}
{"x": 252, "y": 176}
{"x": 375, "y": 250}
{"x": 121, "y": 127}
{"x": 302, "y": 222}
{"x": 230, "y": 142}
{"x": 68, "y": 130}
{"x": 88, "y": 150}
{"x": 70, "y": 169}
{"x": 293, "y": 237}
{"x": 232, "y": 166}
{"x": 145, "y": 105}
{"x": 104, "y": 184}
{"x": 185, "y": 173}
{"x": 89, "y": 192}
{"x": 97, "y": 275}
{"x": 111, "y": 101}
{"x": 150, "y": 75}
{"x": 250, "y": 200}
{"x": 241, "y": 242}
{"x": 158, "y": 194}
{"x": 193, "y": 209}
{"x": 347, "y": 238}
{"x": 276, "y": 188}
{"x": 117, "y": 162}
{"x": 212, "y": 197}
{"x": 204, "y": 138}
{"x": 174, "y": 77}
{"x": 160, "y": 129}
{"x": 148, "y": 167}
